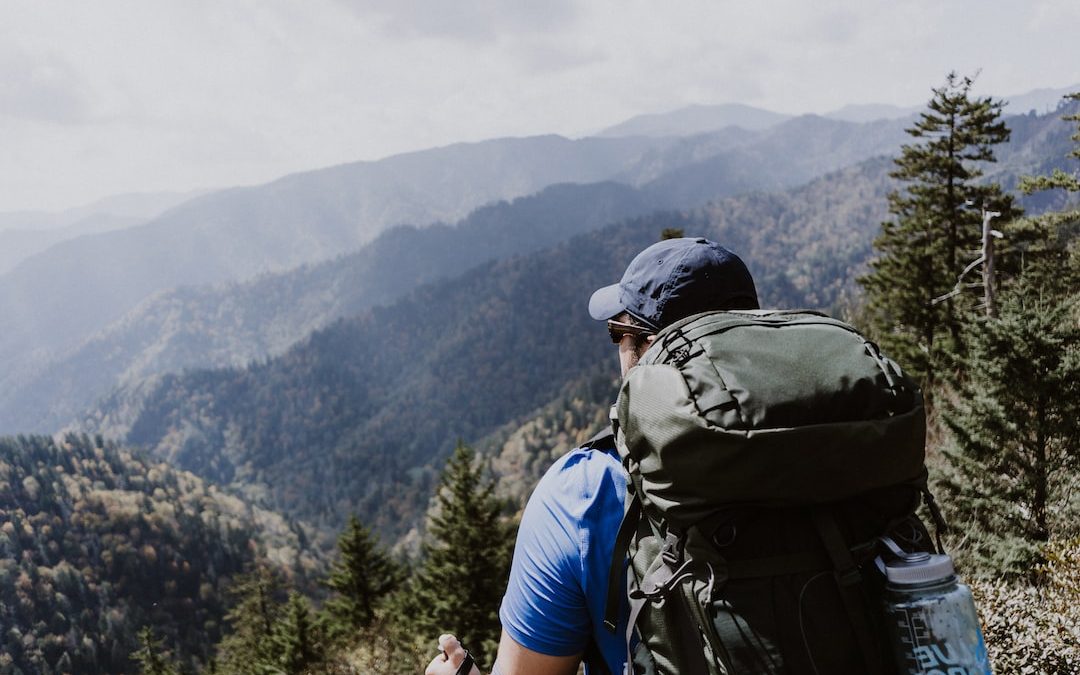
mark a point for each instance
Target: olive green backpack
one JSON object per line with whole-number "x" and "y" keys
{"x": 767, "y": 452}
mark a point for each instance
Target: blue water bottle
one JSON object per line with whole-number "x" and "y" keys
{"x": 931, "y": 618}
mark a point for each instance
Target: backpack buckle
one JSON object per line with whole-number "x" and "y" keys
{"x": 658, "y": 584}
{"x": 672, "y": 552}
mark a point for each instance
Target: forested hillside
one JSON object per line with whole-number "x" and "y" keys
{"x": 230, "y": 325}
{"x": 97, "y": 542}
{"x": 354, "y": 416}
{"x": 393, "y": 389}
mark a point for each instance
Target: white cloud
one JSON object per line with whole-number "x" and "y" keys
{"x": 42, "y": 87}
{"x": 467, "y": 20}
{"x": 119, "y": 95}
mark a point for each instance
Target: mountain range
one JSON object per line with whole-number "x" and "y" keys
{"x": 698, "y": 119}
{"x": 385, "y": 395}
{"x": 101, "y": 288}
{"x": 232, "y": 323}
{"x": 154, "y": 357}
{"x": 54, "y": 300}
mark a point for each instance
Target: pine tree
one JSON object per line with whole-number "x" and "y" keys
{"x": 1015, "y": 424}
{"x": 465, "y": 565}
{"x": 1016, "y": 430}
{"x": 294, "y": 639}
{"x": 150, "y": 655}
{"x": 361, "y": 578}
{"x": 923, "y": 251}
{"x": 1045, "y": 239}
{"x": 251, "y": 622}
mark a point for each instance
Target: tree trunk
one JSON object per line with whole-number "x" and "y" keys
{"x": 1041, "y": 496}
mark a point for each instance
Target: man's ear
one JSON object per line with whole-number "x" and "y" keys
{"x": 644, "y": 345}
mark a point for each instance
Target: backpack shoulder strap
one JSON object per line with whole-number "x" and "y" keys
{"x": 594, "y": 659}
{"x": 615, "y": 589}
{"x": 602, "y": 440}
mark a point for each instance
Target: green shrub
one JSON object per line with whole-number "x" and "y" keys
{"x": 1035, "y": 628}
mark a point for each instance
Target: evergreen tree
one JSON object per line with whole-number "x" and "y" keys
{"x": 361, "y": 578}
{"x": 925, "y": 248}
{"x": 252, "y": 619}
{"x": 1046, "y": 239}
{"x": 151, "y": 656}
{"x": 1058, "y": 179}
{"x": 294, "y": 639}
{"x": 465, "y": 566}
{"x": 1015, "y": 424}
{"x": 1016, "y": 430}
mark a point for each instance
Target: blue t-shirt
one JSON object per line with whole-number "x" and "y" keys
{"x": 554, "y": 603}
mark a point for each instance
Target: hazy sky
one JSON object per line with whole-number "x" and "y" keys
{"x": 104, "y": 97}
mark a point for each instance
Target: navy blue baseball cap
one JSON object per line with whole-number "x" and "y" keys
{"x": 675, "y": 278}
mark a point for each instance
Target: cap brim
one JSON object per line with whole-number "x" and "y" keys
{"x": 604, "y": 303}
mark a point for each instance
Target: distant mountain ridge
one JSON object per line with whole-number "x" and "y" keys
{"x": 872, "y": 112}
{"x": 133, "y": 206}
{"x": 54, "y": 300}
{"x": 699, "y": 119}
{"x": 696, "y": 119}
{"x": 1041, "y": 101}
{"x": 23, "y": 234}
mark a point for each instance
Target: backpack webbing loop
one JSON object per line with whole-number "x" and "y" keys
{"x": 940, "y": 526}
{"x": 677, "y": 348}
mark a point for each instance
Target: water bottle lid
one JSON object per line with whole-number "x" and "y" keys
{"x": 919, "y": 568}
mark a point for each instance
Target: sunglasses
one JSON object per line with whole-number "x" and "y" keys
{"x": 618, "y": 330}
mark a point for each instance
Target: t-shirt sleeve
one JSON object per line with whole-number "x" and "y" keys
{"x": 544, "y": 608}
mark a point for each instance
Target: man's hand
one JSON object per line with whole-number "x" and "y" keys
{"x": 513, "y": 660}
{"x": 450, "y": 660}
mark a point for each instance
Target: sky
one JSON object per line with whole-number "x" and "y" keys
{"x": 108, "y": 97}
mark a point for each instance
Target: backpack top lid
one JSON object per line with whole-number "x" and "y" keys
{"x": 770, "y": 408}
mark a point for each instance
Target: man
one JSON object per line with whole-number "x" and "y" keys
{"x": 553, "y": 610}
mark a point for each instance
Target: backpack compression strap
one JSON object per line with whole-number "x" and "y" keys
{"x": 848, "y": 580}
